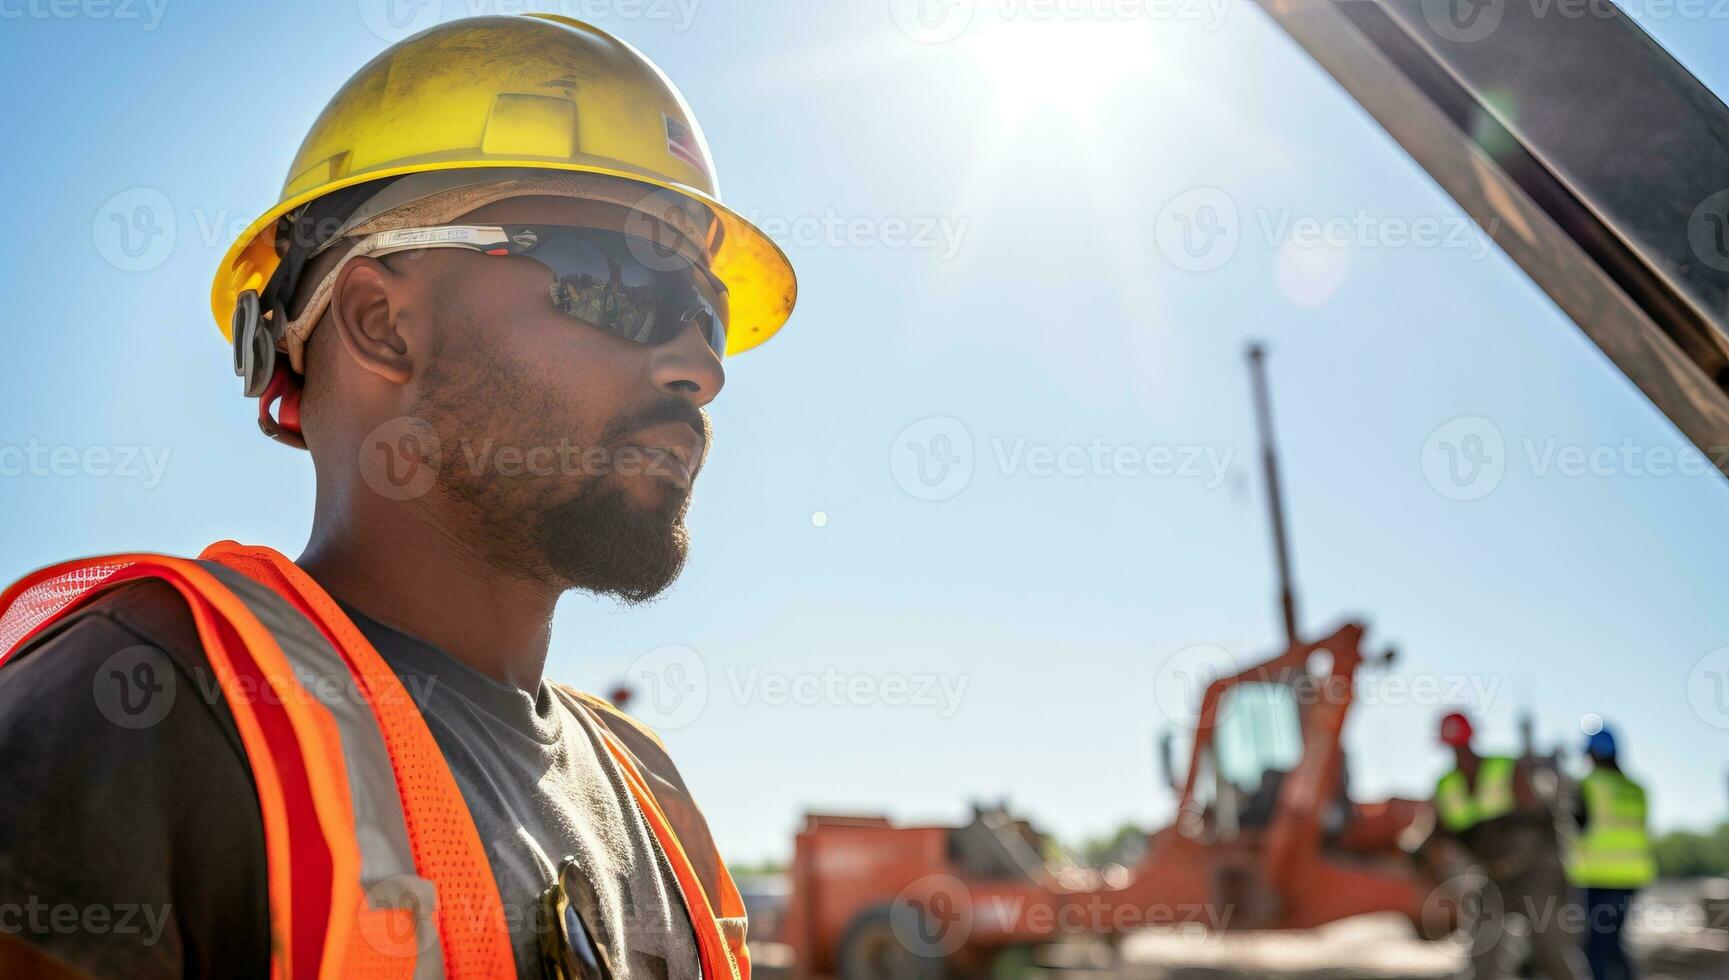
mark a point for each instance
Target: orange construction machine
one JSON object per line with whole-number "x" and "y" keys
{"x": 1265, "y": 835}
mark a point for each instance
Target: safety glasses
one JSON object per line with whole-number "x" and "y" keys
{"x": 631, "y": 287}
{"x": 568, "y": 948}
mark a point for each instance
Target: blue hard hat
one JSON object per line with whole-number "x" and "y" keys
{"x": 1601, "y": 744}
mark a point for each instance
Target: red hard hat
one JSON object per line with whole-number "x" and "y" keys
{"x": 1456, "y": 730}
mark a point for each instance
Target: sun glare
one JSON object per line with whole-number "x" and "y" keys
{"x": 1067, "y": 67}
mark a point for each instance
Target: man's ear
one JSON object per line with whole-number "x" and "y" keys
{"x": 365, "y": 306}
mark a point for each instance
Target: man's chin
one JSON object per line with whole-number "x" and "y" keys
{"x": 628, "y": 542}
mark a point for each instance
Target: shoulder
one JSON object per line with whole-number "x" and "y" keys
{"x": 124, "y": 775}
{"x": 117, "y": 690}
{"x": 617, "y": 721}
{"x": 138, "y": 628}
{"x": 650, "y": 757}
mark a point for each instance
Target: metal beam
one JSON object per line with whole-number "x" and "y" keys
{"x": 1594, "y": 159}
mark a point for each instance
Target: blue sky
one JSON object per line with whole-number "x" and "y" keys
{"x": 987, "y": 231}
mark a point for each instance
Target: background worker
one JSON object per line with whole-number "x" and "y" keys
{"x": 1612, "y": 858}
{"x": 1487, "y": 803}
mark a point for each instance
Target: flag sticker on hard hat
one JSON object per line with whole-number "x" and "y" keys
{"x": 681, "y": 143}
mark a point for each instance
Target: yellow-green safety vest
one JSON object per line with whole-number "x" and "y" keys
{"x": 1458, "y": 808}
{"x": 1614, "y": 851}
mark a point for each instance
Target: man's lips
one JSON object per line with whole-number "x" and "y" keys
{"x": 679, "y": 445}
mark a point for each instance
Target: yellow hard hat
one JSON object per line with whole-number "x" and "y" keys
{"x": 537, "y": 91}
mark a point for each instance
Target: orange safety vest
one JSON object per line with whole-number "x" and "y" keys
{"x": 375, "y": 868}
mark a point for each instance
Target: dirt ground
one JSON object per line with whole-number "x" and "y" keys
{"x": 1679, "y": 931}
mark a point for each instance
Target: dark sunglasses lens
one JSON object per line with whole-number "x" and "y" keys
{"x": 629, "y": 288}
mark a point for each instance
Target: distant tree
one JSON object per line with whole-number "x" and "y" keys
{"x": 768, "y": 866}
{"x": 1685, "y": 854}
{"x": 1114, "y": 846}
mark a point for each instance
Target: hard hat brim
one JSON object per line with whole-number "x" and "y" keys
{"x": 761, "y": 285}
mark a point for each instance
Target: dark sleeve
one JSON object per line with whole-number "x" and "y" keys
{"x": 1581, "y": 813}
{"x": 131, "y": 843}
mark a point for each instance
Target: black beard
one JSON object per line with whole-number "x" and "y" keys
{"x": 600, "y": 542}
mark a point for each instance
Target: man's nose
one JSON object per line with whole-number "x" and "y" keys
{"x": 688, "y": 367}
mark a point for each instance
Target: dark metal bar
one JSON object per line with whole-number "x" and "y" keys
{"x": 1594, "y": 160}
{"x": 1275, "y": 497}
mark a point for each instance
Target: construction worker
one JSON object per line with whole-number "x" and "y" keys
{"x": 492, "y": 302}
{"x": 1612, "y": 858}
{"x": 1487, "y": 804}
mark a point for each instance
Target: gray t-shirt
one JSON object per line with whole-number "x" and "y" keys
{"x": 541, "y": 785}
{"x": 138, "y": 851}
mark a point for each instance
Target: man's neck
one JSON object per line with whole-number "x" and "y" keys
{"x": 413, "y": 577}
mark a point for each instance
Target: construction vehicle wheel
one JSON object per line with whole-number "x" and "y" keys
{"x": 870, "y": 950}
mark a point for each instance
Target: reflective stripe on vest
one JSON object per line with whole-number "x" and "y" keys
{"x": 1614, "y": 851}
{"x": 346, "y": 827}
{"x": 1459, "y": 808}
